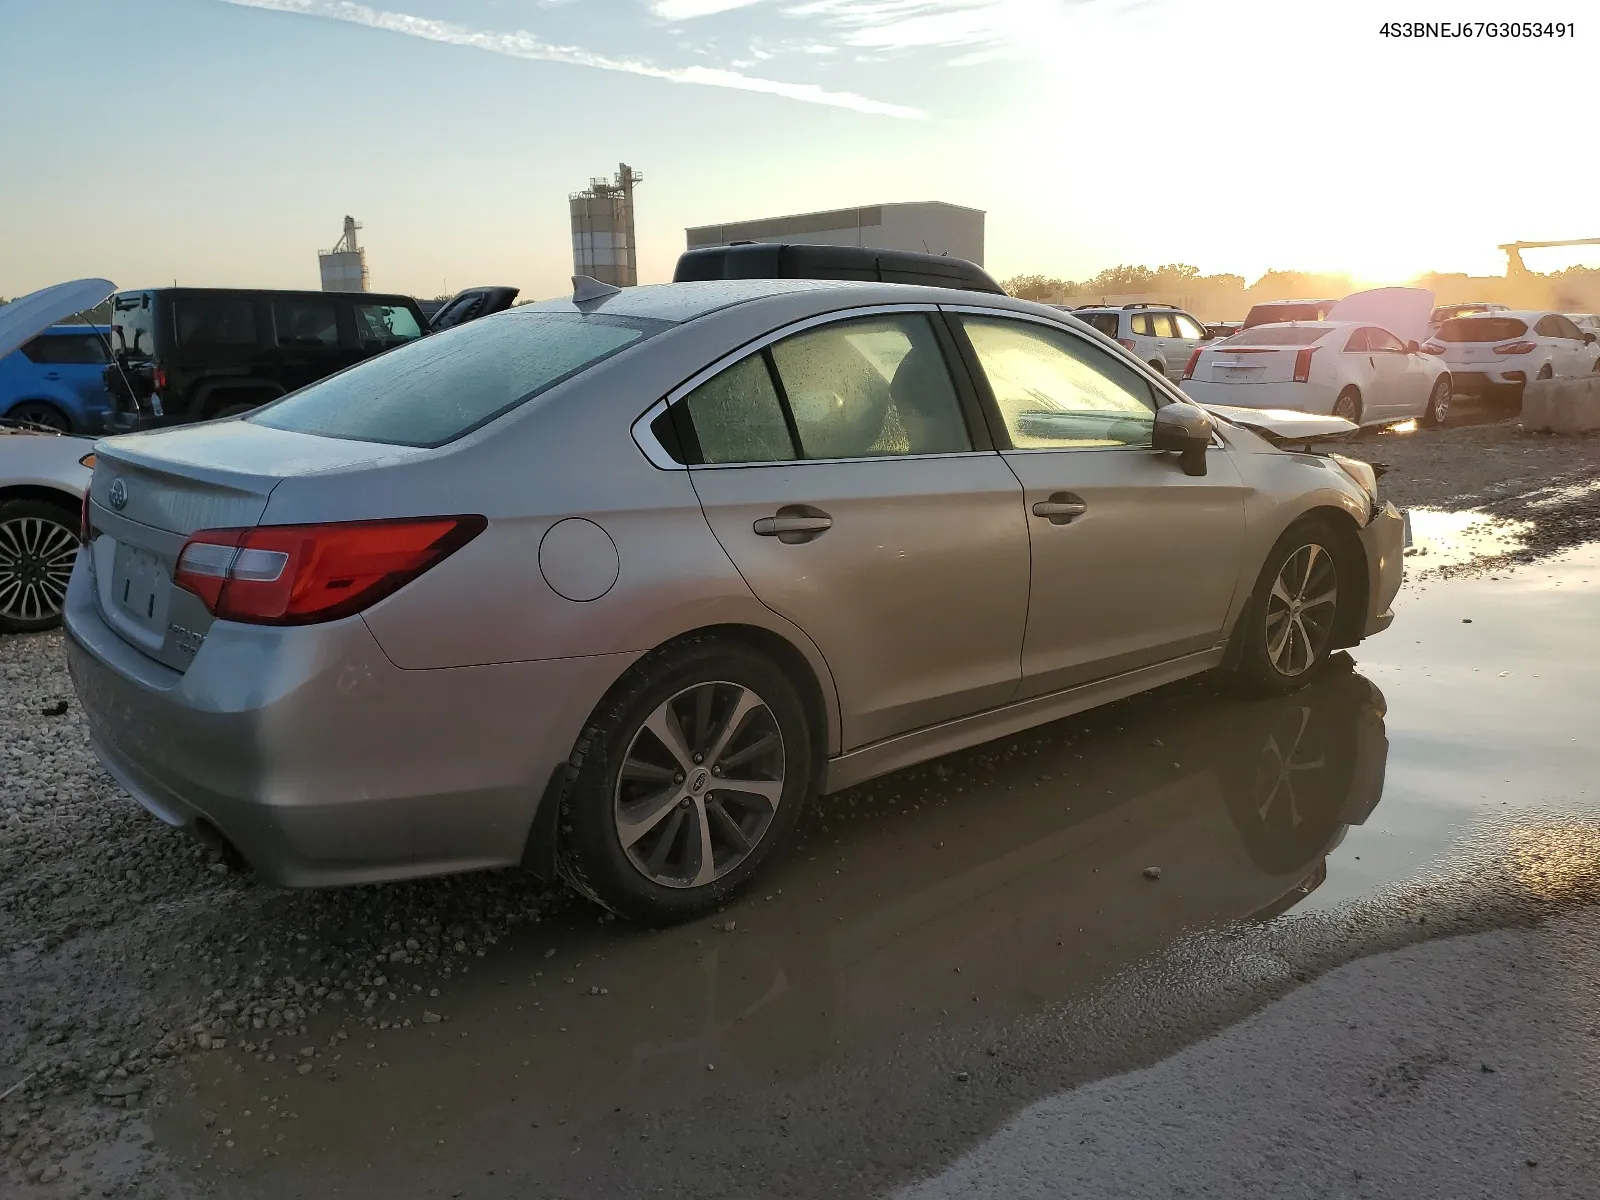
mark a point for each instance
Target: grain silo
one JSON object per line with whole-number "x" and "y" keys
{"x": 602, "y": 229}
{"x": 344, "y": 268}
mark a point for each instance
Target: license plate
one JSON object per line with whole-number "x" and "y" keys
{"x": 1235, "y": 374}
{"x": 140, "y": 586}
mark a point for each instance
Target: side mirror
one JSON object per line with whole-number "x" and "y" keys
{"x": 1413, "y": 348}
{"x": 1588, "y": 339}
{"x": 1185, "y": 430}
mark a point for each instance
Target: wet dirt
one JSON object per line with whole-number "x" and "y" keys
{"x": 957, "y": 940}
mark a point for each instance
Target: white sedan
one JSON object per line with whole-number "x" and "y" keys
{"x": 1357, "y": 364}
{"x": 1498, "y": 353}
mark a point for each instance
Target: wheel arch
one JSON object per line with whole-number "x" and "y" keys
{"x": 51, "y": 401}
{"x": 62, "y": 499}
{"x": 207, "y": 392}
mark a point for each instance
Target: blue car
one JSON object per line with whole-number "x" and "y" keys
{"x": 57, "y": 379}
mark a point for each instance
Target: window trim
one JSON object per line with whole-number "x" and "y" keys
{"x": 979, "y": 426}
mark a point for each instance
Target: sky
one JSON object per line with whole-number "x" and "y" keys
{"x": 221, "y": 142}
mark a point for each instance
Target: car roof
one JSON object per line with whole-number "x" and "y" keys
{"x": 680, "y": 302}
{"x": 1522, "y": 314}
{"x": 370, "y": 297}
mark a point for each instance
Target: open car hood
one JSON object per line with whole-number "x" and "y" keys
{"x": 1404, "y": 312}
{"x": 26, "y": 317}
{"x": 1282, "y": 426}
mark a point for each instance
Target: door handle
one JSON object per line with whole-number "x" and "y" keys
{"x": 794, "y": 523}
{"x": 1060, "y": 508}
{"x": 52, "y": 375}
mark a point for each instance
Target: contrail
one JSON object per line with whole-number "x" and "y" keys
{"x": 525, "y": 45}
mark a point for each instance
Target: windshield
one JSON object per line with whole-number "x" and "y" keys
{"x": 1278, "y": 335}
{"x": 439, "y": 388}
{"x": 1481, "y": 329}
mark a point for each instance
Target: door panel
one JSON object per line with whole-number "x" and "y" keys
{"x": 916, "y": 592}
{"x": 1145, "y": 574}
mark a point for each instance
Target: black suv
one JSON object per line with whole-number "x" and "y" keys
{"x": 772, "y": 260}
{"x": 193, "y": 354}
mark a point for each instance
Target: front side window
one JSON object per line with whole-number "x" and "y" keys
{"x": 1188, "y": 328}
{"x": 436, "y": 389}
{"x": 872, "y": 387}
{"x": 1357, "y": 343}
{"x": 1383, "y": 341}
{"x": 67, "y": 348}
{"x": 1055, "y": 391}
{"x": 132, "y": 326}
{"x": 305, "y": 321}
{"x": 380, "y": 326}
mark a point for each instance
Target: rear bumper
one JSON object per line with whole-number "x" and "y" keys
{"x": 1384, "y": 542}
{"x": 321, "y": 761}
{"x": 1487, "y": 381}
{"x": 1297, "y": 397}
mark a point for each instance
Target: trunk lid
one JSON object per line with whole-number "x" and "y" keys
{"x": 151, "y": 491}
{"x": 1404, "y": 312}
{"x": 26, "y": 317}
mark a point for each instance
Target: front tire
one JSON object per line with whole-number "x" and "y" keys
{"x": 1287, "y": 630}
{"x": 692, "y": 772}
{"x": 1438, "y": 410}
{"x": 38, "y": 546}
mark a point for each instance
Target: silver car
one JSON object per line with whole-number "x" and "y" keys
{"x": 610, "y": 586}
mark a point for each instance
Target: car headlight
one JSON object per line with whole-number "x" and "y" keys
{"x": 1362, "y": 473}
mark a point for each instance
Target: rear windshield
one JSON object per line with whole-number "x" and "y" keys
{"x": 438, "y": 388}
{"x": 1481, "y": 329}
{"x": 1267, "y": 314}
{"x": 1278, "y": 335}
{"x": 1105, "y": 322}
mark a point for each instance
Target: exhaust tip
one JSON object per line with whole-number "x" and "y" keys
{"x": 223, "y": 850}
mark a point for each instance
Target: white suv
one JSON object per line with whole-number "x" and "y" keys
{"x": 1163, "y": 337}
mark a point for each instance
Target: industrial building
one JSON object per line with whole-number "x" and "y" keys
{"x": 603, "y": 245}
{"x": 927, "y": 227}
{"x": 344, "y": 268}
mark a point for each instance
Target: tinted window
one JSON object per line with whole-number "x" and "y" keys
{"x": 220, "y": 320}
{"x": 1163, "y": 325}
{"x": 67, "y": 348}
{"x": 133, "y": 326}
{"x": 858, "y": 389}
{"x": 1383, "y": 341}
{"x": 1266, "y": 314}
{"x": 1140, "y": 324}
{"x": 305, "y": 321}
{"x": 1547, "y": 327}
{"x": 1105, "y": 322}
{"x": 385, "y": 325}
{"x": 1278, "y": 335}
{"x": 737, "y": 417}
{"x": 1056, "y": 390}
{"x": 1481, "y": 329}
{"x": 1566, "y": 329}
{"x": 434, "y": 390}
{"x": 1357, "y": 343}
{"x": 1188, "y": 327}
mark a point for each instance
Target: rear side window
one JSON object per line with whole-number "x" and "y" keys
{"x": 133, "y": 326}
{"x": 1105, "y": 322}
{"x": 67, "y": 348}
{"x": 1481, "y": 329}
{"x": 380, "y": 326}
{"x": 305, "y": 321}
{"x": 1140, "y": 324}
{"x": 219, "y": 320}
{"x": 738, "y": 418}
{"x": 436, "y": 389}
{"x": 1279, "y": 335}
{"x": 1162, "y": 324}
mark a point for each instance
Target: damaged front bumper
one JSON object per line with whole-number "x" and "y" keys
{"x": 1384, "y": 539}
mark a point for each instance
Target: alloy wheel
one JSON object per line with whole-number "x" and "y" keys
{"x": 1441, "y": 400}
{"x": 46, "y": 416}
{"x": 1347, "y": 407}
{"x": 1301, "y": 609}
{"x": 699, "y": 785}
{"x": 36, "y": 557}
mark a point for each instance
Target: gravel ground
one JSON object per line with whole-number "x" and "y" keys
{"x": 124, "y": 946}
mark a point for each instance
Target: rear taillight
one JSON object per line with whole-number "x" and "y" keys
{"x": 158, "y": 377}
{"x": 303, "y": 574}
{"x": 1432, "y": 348}
{"x": 1516, "y": 348}
{"x": 1302, "y": 364}
{"x": 1125, "y": 343}
{"x": 1188, "y": 367}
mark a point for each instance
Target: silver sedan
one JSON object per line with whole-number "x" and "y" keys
{"x": 611, "y": 586}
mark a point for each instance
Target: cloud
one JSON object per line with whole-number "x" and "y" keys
{"x": 685, "y": 10}
{"x": 522, "y": 44}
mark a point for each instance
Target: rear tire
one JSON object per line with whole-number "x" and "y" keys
{"x": 626, "y": 783}
{"x": 41, "y": 412}
{"x": 38, "y": 546}
{"x": 1438, "y": 410}
{"x": 1287, "y": 631}
{"x": 1348, "y": 405}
